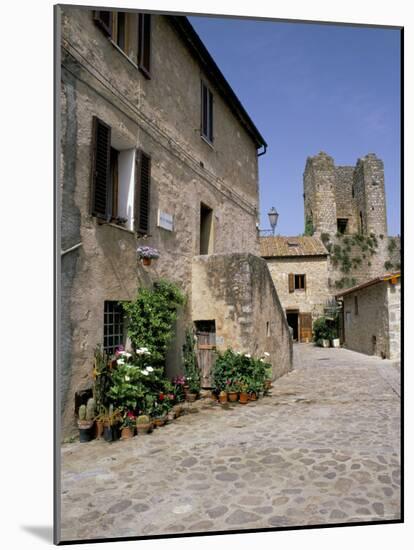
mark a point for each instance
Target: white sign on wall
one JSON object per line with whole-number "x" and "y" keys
{"x": 165, "y": 220}
{"x": 219, "y": 340}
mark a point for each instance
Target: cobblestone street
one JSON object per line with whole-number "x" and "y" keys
{"x": 323, "y": 448}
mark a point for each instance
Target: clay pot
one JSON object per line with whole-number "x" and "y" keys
{"x": 144, "y": 428}
{"x": 252, "y": 396}
{"x": 223, "y": 397}
{"x": 146, "y": 261}
{"x": 160, "y": 421}
{"x": 268, "y": 384}
{"x": 85, "y": 430}
{"x": 233, "y": 395}
{"x": 99, "y": 428}
{"x": 127, "y": 433}
{"x": 243, "y": 397}
{"x": 191, "y": 397}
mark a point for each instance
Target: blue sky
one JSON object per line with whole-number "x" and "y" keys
{"x": 311, "y": 88}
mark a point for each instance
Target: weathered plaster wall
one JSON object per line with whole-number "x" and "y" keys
{"x": 311, "y": 300}
{"x": 371, "y": 320}
{"x": 237, "y": 291}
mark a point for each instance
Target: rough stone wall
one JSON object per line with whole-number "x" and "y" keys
{"x": 237, "y": 291}
{"x": 394, "y": 319}
{"x": 311, "y": 300}
{"x": 370, "y": 194}
{"x": 371, "y": 320}
{"x": 319, "y": 189}
{"x": 359, "y": 192}
{"x": 162, "y": 117}
{"x": 345, "y": 204}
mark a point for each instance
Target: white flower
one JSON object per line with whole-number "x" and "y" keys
{"x": 149, "y": 369}
{"x": 262, "y": 360}
{"x": 127, "y": 379}
{"x": 120, "y": 362}
{"x": 247, "y": 355}
{"x": 127, "y": 355}
{"x": 266, "y": 354}
{"x": 237, "y": 353}
{"x": 145, "y": 372}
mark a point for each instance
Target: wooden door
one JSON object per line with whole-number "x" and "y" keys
{"x": 305, "y": 322}
{"x": 206, "y": 355}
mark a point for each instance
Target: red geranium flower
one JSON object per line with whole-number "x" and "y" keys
{"x": 161, "y": 397}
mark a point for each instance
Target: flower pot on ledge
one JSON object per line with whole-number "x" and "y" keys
{"x": 146, "y": 261}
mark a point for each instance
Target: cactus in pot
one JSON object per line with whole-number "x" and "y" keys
{"x": 85, "y": 424}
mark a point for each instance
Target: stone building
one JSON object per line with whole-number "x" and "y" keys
{"x": 299, "y": 269}
{"x": 342, "y": 202}
{"x": 371, "y": 316}
{"x": 155, "y": 149}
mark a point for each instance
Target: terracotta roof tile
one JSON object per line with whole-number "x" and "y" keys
{"x": 291, "y": 246}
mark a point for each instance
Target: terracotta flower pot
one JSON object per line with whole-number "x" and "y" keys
{"x": 233, "y": 395}
{"x": 99, "y": 428}
{"x": 160, "y": 421}
{"x": 268, "y": 384}
{"x": 253, "y": 396}
{"x": 144, "y": 428}
{"x": 243, "y": 397}
{"x": 191, "y": 397}
{"x": 127, "y": 433}
{"x": 223, "y": 397}
{"x": 146, "y": 261}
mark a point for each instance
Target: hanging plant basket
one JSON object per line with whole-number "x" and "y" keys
{"x": 147, "y": 254}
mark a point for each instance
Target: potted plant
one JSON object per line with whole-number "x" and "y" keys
{"x": 99, "y": 424}
{"x": 223, "y": 397}
{"x": 243, "y": 394}
{"x": 128, "y": 425}
{"x": 321, "y": 332}
{"x": 143, "y": 425}
{"x": 85, "y": 423}
{"x": 111, "y": 424}
{"x": 233, "y": 391}
{"x": 147, "y": 254}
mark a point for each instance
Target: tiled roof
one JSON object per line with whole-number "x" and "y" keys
{"x": 371, "y": 282}
{"x": 277, "y": 247}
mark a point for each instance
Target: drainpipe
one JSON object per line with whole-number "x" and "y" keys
{"x": 262, "y": 152}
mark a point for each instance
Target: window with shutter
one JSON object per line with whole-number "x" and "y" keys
{"x": 144, "y": 44}
{"x": 291, "y": 282}
{"x": 101, "y": 169}
{"x": 104, "y": 20}
{"x": 142, "y": 193}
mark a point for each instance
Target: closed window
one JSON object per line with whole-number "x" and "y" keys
{"x": 120, "y": 182}
{"x": 113, "y": 327}
{"x": 206, "y": 113}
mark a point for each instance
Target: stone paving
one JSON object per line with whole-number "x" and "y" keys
{"x": 323, "y": 448}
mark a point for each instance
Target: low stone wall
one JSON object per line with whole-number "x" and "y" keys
{"x": 237, "y": 291}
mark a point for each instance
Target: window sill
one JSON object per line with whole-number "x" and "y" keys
{"x": 111, "y": 224}
{"x": 121, "y": 51}
{"x": 207, "y": 141}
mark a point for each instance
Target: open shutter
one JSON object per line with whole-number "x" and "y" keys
{"x": 304, "y": 282}
{"x": 104, "y": 20}
{"x": 144, "y": 43}
{"x": 101, "y": 169}
{"x": 291, "y": 282}
{"x": 142, "y": 192}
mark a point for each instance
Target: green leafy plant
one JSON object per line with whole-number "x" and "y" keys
{"x": 191, "y": 368}
{"x": 151, "y": 318}
{"x": 388, "y": 265}
{"x": 309, "y": 229}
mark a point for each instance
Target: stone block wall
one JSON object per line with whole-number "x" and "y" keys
{"x": 237, "y": 291}
{"x": 370, "y": 322}
{"x": 375, "y": 329}
{"x": 311, "y": 300}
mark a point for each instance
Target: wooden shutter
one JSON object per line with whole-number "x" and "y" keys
{"x": 142, "y": 192}
{"x": 101, "y": 169}
{"x": 104, "y": 20}
{"x": 291, "y": 282}
{"x": 210, "y": 115}
{"x": 304, "y": 282}
{"x": 144, "y": 43}
{"x": 305, "y": 327}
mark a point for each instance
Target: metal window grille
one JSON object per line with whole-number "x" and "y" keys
{"x": 113, "y": 326}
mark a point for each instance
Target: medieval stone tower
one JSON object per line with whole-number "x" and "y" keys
{"x": 345, "y": 199}
{"x": 345, "y": 208}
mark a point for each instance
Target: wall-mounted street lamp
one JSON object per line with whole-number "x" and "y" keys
{"x": 273, "y": 217}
